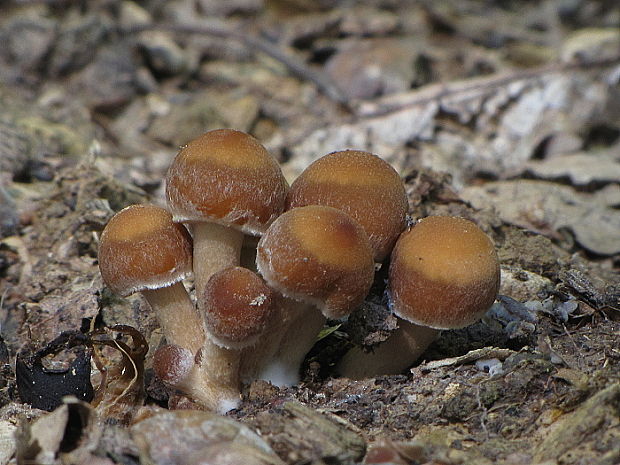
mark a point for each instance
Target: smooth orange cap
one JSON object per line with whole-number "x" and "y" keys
{"x": 361, "y": 184}
{"x": 142, "y": 248}
{"x": 444, "y": 273}
{"x": 319, "y": 255}
{"x": 227, "y": 177}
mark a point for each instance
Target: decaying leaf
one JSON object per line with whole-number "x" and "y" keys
{"x": 548, "y": 208}
{"x": 121, "y": 390}
{"x": 69, "y": 433}
{"x": 581, "y": 169}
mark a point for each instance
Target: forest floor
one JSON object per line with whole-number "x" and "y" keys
{"x": 506, "y": 113}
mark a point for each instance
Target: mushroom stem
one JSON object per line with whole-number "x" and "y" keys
{"x": 177, "y": 316}
{"x": 202, "y": 390}
{"x": 297, "y": 336}
{"x": 220, "y": 369}
{"x": 255, "y": 358}
{"x": 404, "y": 346}
{"x": 215, "y": 247}
{"x": 178, "y": 368}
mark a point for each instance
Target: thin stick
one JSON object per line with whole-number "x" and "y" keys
{"x": 438, "y": 91}
{"x": 294, "y": 64}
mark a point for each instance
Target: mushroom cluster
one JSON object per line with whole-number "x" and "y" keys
{"x": 260, "y": 306}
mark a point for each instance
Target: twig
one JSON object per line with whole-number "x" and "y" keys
{"x": 469, "y": 357}
{"x": 294, "y": 64}
{"x": 437, "y": 92}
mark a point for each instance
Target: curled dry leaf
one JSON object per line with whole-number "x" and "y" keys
{"x": 121, "y": 390}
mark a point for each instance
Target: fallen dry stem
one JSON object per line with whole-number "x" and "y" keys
{"x": 467, "y": 89}
{"x": 294, "y": 64}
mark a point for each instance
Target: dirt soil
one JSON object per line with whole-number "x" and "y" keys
{"x": 506, "y": 113}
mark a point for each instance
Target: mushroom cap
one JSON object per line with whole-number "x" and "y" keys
{"x": 172, "y": 364}
{"x": 237, "y": 305}
{"x": 444, "y": 273}
{"x": 361, "y": 184}
{"x": 227, "y": 177}
{"x": 142, "y": 248}
{"x": 319, "y": 255}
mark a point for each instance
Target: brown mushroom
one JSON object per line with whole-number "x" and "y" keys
{"x": 361, "y": 184}
{"x": 224, "y": 184}
{"x": 320, "y": 256}
{"x": 237, "y": 307}
{"x": 143, "y": 250}
{"x": 444, "y": 274}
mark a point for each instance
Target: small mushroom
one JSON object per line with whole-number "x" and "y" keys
{"x": 143, "y": 250}
{"x": 361, "y": 184}
{"x": 237, "y": 306}
{"x": 444, "y": 274}
{"x": 320, "y": 256}
{"x": 224, "y": 184}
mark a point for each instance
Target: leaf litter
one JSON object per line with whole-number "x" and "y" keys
{"x": 504, "y": 114}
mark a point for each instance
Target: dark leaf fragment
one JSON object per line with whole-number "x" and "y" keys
{"x": 43, "y": 387}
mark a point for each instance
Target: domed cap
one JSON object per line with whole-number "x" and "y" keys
{"x": 362, "y": 185}
{"x": 227, "y": 177}
{"x": 172, "y": 364}
{"x": 142, "y": 248}
{"x": 237, "y": 304}
{"x": 319, "y": 255}
{"x": 444, "y": 273}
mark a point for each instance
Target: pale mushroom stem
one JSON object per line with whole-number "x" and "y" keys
{"x": 404, "y": 346}
{"x": 215, "y": 247}
{"x": 202, "y": 388}
{"x": 285, "y": 354}
{"x": 220, "y": 368}
{"x": 255, "y": 357}
{"x": 177, "y": 316}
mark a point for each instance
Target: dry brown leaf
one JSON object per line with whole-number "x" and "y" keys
{"x": 547, "y": 208}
